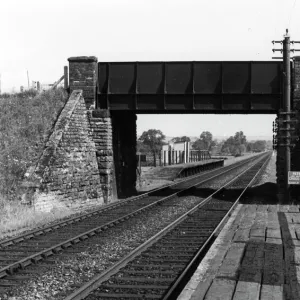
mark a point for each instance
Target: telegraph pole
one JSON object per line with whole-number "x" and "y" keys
{"x": 28, "y": 79}
{"x": 285, "y": 120}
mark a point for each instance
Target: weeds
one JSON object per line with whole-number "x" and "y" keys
{"x": 25, "y": 121}
{"x": 16, "y": 218}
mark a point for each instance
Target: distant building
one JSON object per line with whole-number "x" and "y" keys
{"x": 45, "y": 86}
{"x": 35, "y": 85}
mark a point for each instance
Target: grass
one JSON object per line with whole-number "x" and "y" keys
{"x": 26, "y": 120}
{"x": 16, "y": 218}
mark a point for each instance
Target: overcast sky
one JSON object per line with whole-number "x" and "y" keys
{"x": 39, "y": 36}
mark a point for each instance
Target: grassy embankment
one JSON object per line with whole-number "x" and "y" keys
{"x": 25, "y": 122}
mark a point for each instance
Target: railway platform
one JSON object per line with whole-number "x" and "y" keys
{"x": 255, "y": 256}
{"x": 172, "y": 172}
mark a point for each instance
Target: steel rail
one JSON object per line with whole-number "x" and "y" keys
{"x": 95, "y": 282}
{"x": 56, "y": 248}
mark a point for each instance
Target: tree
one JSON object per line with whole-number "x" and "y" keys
{"x": 181, "y": 139}
{"x": 205, "y": 142}
{"x": 142, "y": 148}
{"x": 206, "y": 137}
{"x": 240, "y": 138}
{"x": 259, "y": 146}
{"x": 235, "y": 145}
{"x": 154, "y": 139}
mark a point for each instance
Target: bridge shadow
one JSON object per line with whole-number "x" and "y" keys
{"x": 261, "y": 194}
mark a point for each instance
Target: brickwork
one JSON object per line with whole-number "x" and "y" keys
{"x": 296, "y": 83}
{"x": 67, "y": 173}
{"x": 83, "y": 75}
{"x": 101, "y": 125}
{"x": 295, "y": 153}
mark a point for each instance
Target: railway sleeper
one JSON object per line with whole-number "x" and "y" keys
{"x": 134, "y": 286}
{"x": 101, "y": 295}
{"x": 8, "y": 283}
{"x": 143, "y": 279}
{"x": 158, "y": 266}
{"x": 147, "y": 272}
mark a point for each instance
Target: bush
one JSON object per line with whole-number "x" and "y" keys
{"x": 25, "y": 122}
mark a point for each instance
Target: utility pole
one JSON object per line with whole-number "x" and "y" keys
{"x": 285, "y": 120}
{"x": 28, "y": 79}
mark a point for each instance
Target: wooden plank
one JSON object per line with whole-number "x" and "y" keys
{"x": 247, "y": 291}
{"x": 258, "y": 232}
{"x": 221, "y": 289}
{"x": 273, "y": 233}
{"x": 242, "y": 235}
{"x": 231, "y": 262}
{"x": 271, "y": 292}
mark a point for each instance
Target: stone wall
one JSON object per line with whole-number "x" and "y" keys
{"x": 296, "y": 83}
{"x": 83, "y": 75}
{"x": 67, "y": 173}
{"x": 101, "y": 125}
{"x": 295, "y": 153}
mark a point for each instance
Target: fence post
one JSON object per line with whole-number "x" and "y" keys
{"x": 66, "y": 77}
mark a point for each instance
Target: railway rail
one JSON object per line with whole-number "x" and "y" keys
{"x": 34, "y": 247}
{"x": 160, "y": 267}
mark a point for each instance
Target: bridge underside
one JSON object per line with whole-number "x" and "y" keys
{"x": 190, "y": 87}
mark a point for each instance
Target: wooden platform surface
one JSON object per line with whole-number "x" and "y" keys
{"x": 170, "y": 172}
{"x": 255, "y": 257}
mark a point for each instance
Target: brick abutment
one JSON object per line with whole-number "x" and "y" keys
{"x": 67, "y": 173}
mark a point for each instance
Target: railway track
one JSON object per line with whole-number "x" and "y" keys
{"x": 160, "y": 267}
{"x": 40, "y": 245}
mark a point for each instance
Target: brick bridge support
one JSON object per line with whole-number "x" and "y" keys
{"x": 295, "y": 159}
{"x": 124, "y": 147}
{"x": 114, "y": 132}
{"x": 295, "y": 152}
{"x": 67, "y": 174}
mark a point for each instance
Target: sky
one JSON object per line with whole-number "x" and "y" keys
{"x": 40, "y": 35}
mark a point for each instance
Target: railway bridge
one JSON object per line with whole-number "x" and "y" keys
{"x": 91, "y": 153}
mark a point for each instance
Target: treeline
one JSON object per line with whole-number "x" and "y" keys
{"x": 25, "y": 121}
{"x": 151, "y": 141}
